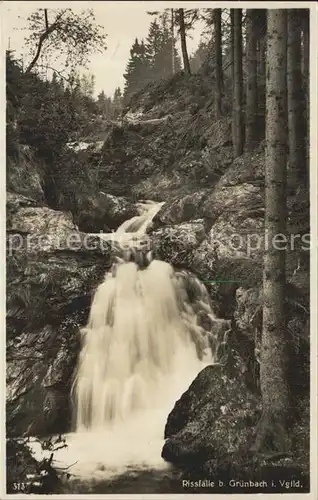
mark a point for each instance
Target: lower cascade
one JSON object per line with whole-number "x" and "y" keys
{"x": 142, "y": 347}
{"x": 139, "y": 338}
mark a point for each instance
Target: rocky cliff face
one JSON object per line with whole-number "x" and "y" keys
{"x": 166, "y": 145}
{"x": 52, "y": 270}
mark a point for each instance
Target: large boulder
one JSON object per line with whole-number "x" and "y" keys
{"x": 230, "y": 200}
{"x": 177, "y": 244}
{"x": 103, "y": 212}
{"x": 215, "y": 417}
{"x": 247, "y": 168}
{"x": 211, "y": 432}
{"x": 51, "y": 266}
{"x": 181, "y": 209}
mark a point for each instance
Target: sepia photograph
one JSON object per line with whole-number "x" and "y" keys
{"x": 159, "y": 212}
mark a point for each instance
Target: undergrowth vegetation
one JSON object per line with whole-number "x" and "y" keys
{"x": 42, "y": 118}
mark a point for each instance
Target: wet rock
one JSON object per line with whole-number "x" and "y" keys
{"x": 212, "y": 428}
{"x": 213, "y": 418}
{"x": 52, "y": 270}
{"x": 180, "y": 210}
{"x": 228, "y": 201}
{"x": 119, "y": 209}
{"x": 247, "y": 314}
{"x": 40, "y": 220}
{"x": 204, "y": 261}
{"x": 103, "y": 212}
{"x": 238, "y": 236}
{"x": 176, "y": 244}
{"x": 40, "y": 373}
{"x": 14, "y": 201}
{"x": 51, "y": 267}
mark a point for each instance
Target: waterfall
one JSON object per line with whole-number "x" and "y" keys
{"x": 136, "y": 341}
{"x": 143, "y": 345}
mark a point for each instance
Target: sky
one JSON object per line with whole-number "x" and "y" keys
{"x": 123, "y": 22}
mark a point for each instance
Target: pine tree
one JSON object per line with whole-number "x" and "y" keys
{"x": 137, "y": 69}
{"x": 87, "y": 85}
{"x": 117, "y": 103}
{"x": 200, "y": 56}
{"x": 159, "y": 48}
{"x": 104, "y": 105}
{"x": 153, "y": 49}
{"x": 164, "y": 59}
{"x": 260, "y": 16}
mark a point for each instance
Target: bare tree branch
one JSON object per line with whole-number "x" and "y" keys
{"x": 43, "y": 37}
{"x": 60, "y": 73}
{"x": 46, "y": 19}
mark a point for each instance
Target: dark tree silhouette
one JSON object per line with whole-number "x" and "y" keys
{"x": 251, "y": 80}
{"x": 185, "y": 57}
{"x": 237, "y": 122}
{"x": 218, "y": 61}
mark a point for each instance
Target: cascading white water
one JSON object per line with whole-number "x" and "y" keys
{"x": 132, "y": 344}
{"x": 140, "y": 223}
{"x": 142, "y": 347}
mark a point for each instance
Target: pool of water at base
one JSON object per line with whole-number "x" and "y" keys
{"x": 133, "y": 481}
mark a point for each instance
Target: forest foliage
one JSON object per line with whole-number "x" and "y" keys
{"x": 151, "y": 59}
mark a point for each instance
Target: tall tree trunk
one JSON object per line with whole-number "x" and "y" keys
{"x": 273, "y": 380}
{"x": 305, "y": 76}
{"x": 172, "y": 43}
{"x": 232, "y": 78}
{"x": 238, "y": 83}
{"x": 218, "y": 62}
{"x": 185, "y": 57}
{"x": 296, "y": 125}
{"x": 251, "y": 81}
{"x": 261, "y": 21}
{"x": 261, "y": 15}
